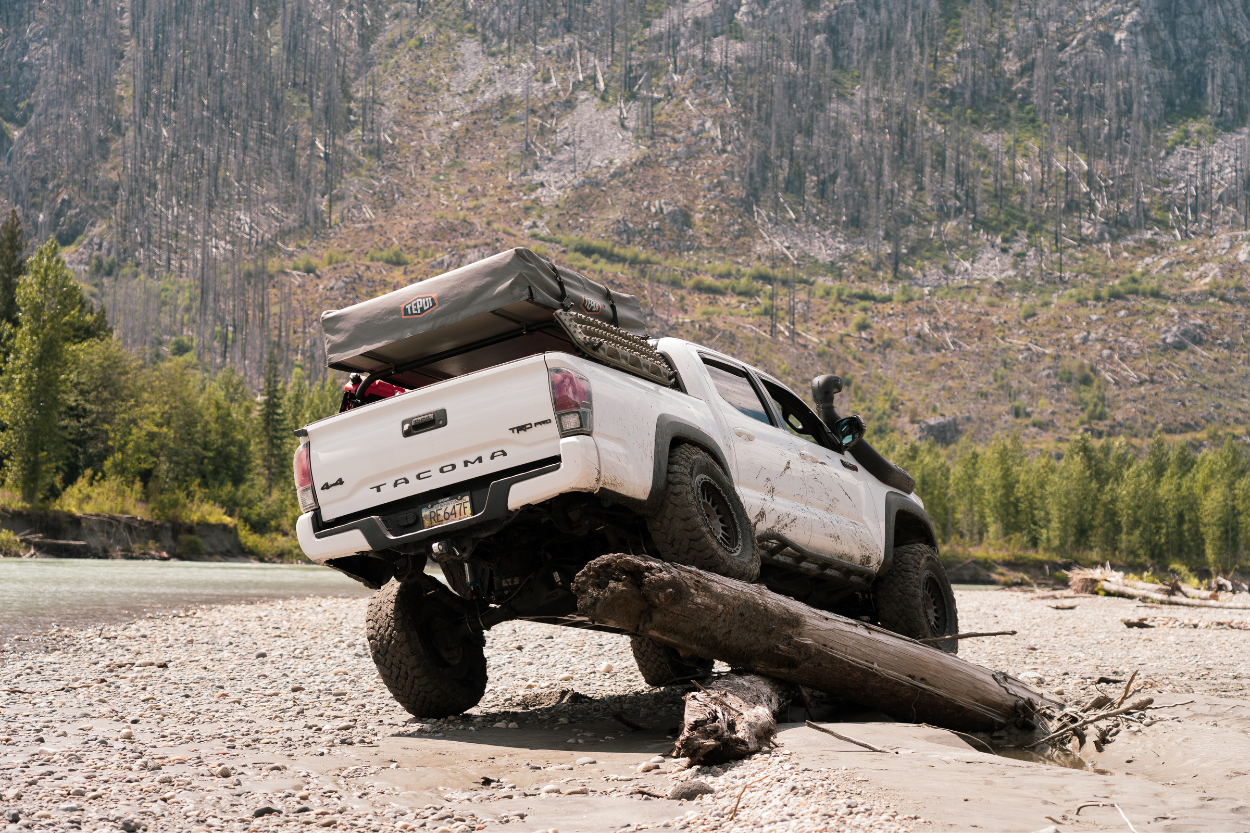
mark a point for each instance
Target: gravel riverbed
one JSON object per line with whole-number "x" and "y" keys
{"x": 270, "y": 715}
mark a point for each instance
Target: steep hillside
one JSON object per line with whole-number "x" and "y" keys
{"x": 988, "y": 217}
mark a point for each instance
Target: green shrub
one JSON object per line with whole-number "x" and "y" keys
{"x": 189, "y": 545}
{"x": 191, "y": 508}
{"x": 607, "y": 251}
{"x": 306, "y": 265}
{"x": 860, "y": 323}
{"x": 392, "y": 256}
{"x": 10, "y": 545}
{"x": 702, "y": 284}
{"x": 1027, "y": 311}
{"x": 1134, "y": 284}
{"x": 275, "y": 546}
{"x": 100, "y": 495}
{"x": 181, "y": 345}
{"x": 905, "y": 294}
{"x": 335, "y": 256}
{"x": 762, "y": 274}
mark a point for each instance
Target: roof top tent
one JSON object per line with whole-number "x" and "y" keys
{"x": 489, "y": 312}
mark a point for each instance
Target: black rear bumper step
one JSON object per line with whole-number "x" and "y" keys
{"x": 493, "y": 506}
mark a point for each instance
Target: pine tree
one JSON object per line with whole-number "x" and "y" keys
{"x": 274, "y": 431}
{"x": 12, "y": 244}
{"x": 36, "y": 379}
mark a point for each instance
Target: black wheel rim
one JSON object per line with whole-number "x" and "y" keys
{"x": 443, "y": 642}
{"x": 717, "y": 514}
{"x": 936, "y": 612}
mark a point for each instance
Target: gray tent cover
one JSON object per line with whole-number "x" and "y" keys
{"x": 476, "y": 316}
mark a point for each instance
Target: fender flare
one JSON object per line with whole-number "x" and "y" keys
{"x": 668, "y": 429}
{"x": 905, "y": 523}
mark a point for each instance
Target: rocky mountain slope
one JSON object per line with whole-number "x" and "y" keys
{"x": 987, "y": 217}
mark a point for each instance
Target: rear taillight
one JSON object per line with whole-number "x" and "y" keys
{"x": 304, "y": 479}
{"x": 570, "y": 395}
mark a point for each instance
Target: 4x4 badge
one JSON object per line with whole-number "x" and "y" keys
{"x": 419, "y": 306}
{"x": 329, "y": 485}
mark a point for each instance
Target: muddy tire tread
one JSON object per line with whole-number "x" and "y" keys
{"x": 679, "y": 531}
{"x": 418, "y": 683}
{"x": 897, "y": 596}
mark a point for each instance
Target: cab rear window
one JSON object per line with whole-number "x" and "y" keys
{"x": 736, "y": 389}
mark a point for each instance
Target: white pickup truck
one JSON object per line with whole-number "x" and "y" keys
{"x": 510, "y": 421}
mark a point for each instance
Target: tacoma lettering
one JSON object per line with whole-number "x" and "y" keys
{"x": 446, "y": 468}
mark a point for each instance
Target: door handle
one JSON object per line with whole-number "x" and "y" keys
{"x": 744, "y": 434}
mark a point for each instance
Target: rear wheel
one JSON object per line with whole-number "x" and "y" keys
{"x": 915, "y": 598}
{"x": 433, "y": 665}
{"x": 701, "y": 522}
{"x": 661, "y": 665}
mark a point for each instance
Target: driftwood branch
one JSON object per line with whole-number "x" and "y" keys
{"x": 848, "y": 739}
{"x": 750, "y": 627}
{"x": 1136, "y": 705}
{"x": 935, "y": 639}
{"x": 1106, "y": 804}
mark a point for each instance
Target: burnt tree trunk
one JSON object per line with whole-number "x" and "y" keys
{"x": 750, "y": 627}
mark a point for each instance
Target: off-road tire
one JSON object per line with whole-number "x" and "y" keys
{"x": 914, "y": 597}
{"x": 701, "y": 521}
{"x": 432, "y": 668}
{"x": 661, "y": 665}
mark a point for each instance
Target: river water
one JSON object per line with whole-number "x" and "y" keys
{"x": 36, "y": 593}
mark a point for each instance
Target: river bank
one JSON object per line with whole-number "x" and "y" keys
{"x": 50, "y": 534}
{"x": 270, "y": 716}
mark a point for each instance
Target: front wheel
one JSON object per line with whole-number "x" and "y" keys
{"x": 701, "y": 522}
{"x": 432, "y": 663}
{"x": 915, "y": 598}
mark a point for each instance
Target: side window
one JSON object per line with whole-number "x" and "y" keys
{"x": 735, "y": 388}
{"x": 797, "y": 418}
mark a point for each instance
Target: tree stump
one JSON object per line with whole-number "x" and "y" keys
{"x": 731, "y": 717}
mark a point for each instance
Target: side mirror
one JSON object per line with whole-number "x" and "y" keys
{"x": 849, "y": 430}
{"x": 824, "y": 388}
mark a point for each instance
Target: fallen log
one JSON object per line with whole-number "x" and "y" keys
{"x": 750, "y": 627}
{"x": 1117, "y": 588}
{"x": 1190, "y": 592}
{"x": 730, "y": 718}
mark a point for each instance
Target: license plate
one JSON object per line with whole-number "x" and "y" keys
{"x": 446, "y": 511}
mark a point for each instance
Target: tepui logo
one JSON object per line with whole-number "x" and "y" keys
{"x": 419, "y": 306}
{"x": 591, "y": 305}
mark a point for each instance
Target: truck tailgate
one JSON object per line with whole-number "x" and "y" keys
{"x": 495, "y": 419}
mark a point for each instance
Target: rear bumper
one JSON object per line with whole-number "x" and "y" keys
{"x": 577, "y": 471}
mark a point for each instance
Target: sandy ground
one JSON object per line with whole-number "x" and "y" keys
{"x": 269, "y": 716}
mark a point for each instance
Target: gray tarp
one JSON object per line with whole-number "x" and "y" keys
{"x": 474, "y": 316}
